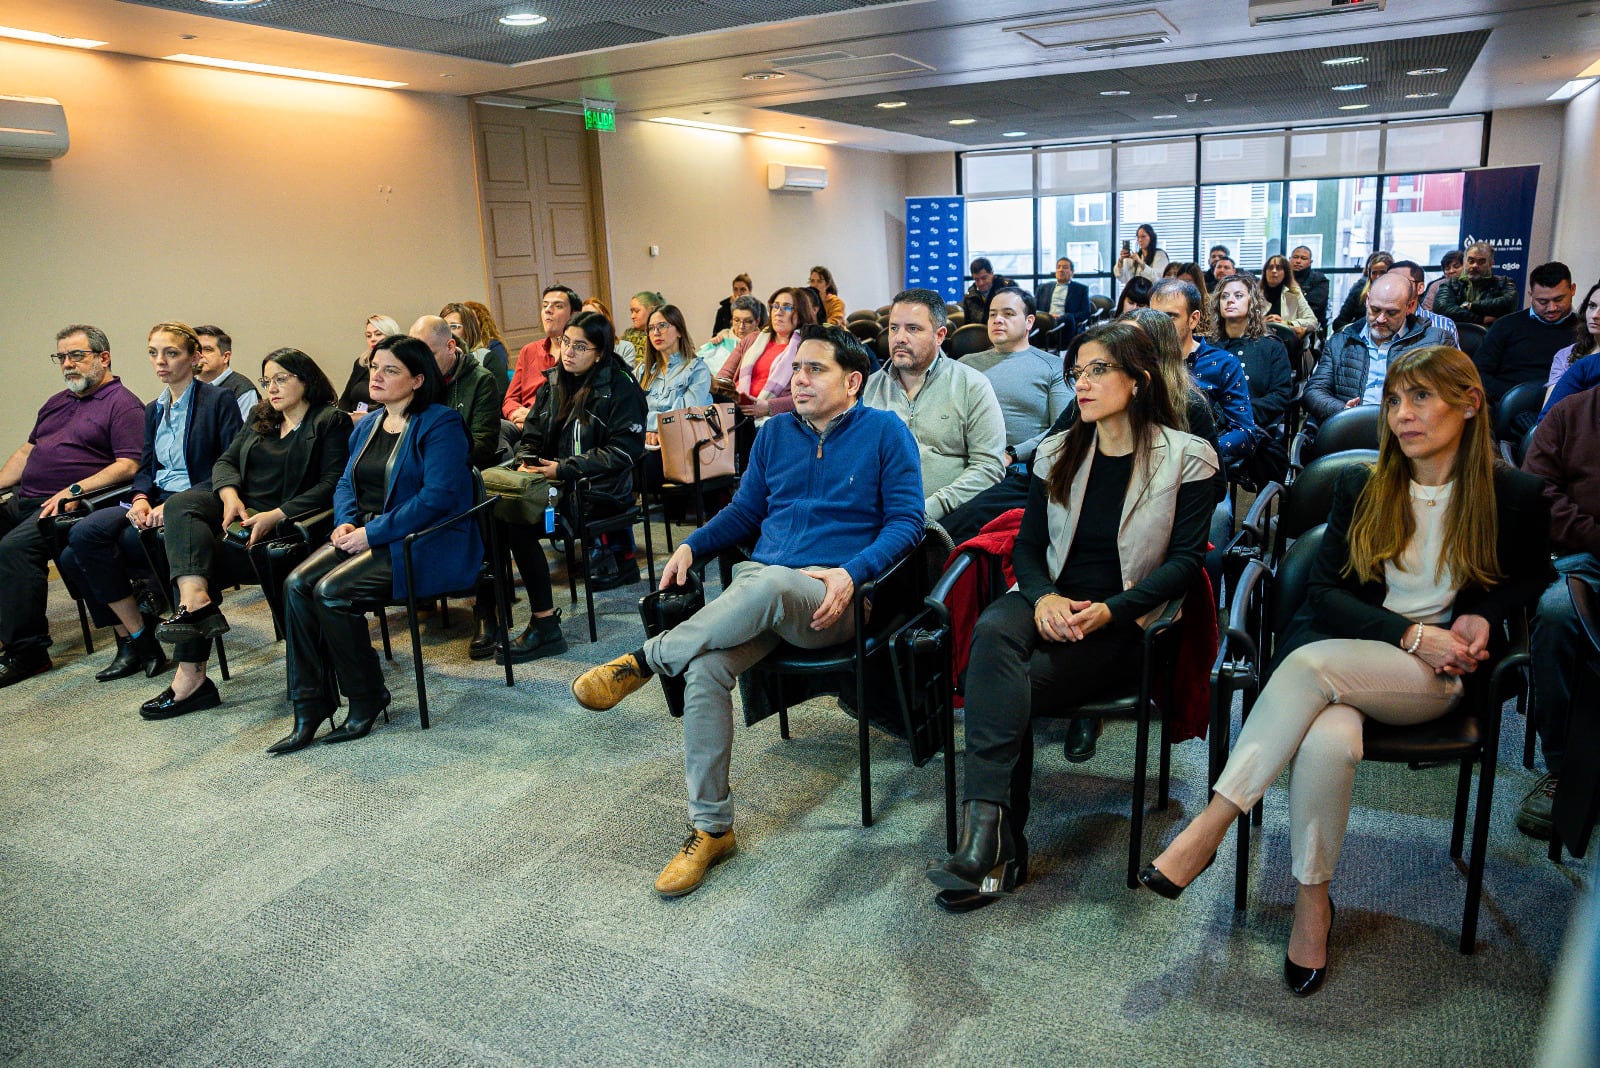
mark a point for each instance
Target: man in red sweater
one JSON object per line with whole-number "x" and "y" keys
{"x": 1565, "y": 452}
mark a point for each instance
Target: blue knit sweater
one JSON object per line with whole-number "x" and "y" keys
{"x": 851, "y": 498}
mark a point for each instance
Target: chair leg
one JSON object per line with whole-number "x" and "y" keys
{"x": 383, "y": 629}
{"x": 444, "y": 612}
{"x": 88, "y": 635}
{"x": 1480, "y": 847}
{"x": 1141, "y": 762}
{"x": 864, "y": 743}
{"x": 588, "y": 589}
{"x": 783, "y": 724}
{"x": 222, "y": 658}
{"x": 649, "y": 547}
{"x": 502, "y": 592}
{"x": 416, "y": 661}
{"x": 949, "y": 717}
{"x": 1458, "y": 824}
{"x": 1529, "y": 733}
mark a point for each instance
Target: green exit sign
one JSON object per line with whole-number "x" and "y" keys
{"x": 595, "y": 119}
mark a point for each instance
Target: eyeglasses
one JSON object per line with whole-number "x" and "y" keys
{"x": 280, "y": 380}
{"x": 578, "y": 348}
{"x": 1095, "y": 371}
{"x": 455, "y": 328}
{"x": 660, "y": 328}
{"x": 74, "y": 356}
{"x": 784, "y": 308}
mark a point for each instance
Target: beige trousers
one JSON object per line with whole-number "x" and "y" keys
{"x": 1311, "y": 710}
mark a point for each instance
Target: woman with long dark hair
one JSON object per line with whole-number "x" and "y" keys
{"x": 1115, "y": 527}
{"x": 285, "y": 464}
{"x": 1286, "y": 304}
{"x": 1136, "y": 294}
{"x": 1149, "y": 260}
{"x": 1424, "y": 555}
{"x": 409, "y": 469}
{"x": 587, "y": 422}
{"x": 821, "y": 282}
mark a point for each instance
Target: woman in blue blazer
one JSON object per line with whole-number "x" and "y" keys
{"x": 408, "y": 470}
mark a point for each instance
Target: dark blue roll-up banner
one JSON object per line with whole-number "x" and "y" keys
{"x": 936, "y": 233}
{"x": 1497, "y": 207}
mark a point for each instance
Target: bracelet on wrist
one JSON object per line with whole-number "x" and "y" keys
{"x": 1416, "y": 643}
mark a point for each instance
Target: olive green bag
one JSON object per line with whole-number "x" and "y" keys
{"x": 520, "y": 496}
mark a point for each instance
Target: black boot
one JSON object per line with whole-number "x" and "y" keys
{"x": 134, "y": 654}
{"x": 542, "y": 637}
{"x": 308, "y": 716}
{"x": 959, "y": 901}
{"x": 486, "y": 635}
{"x": 358, "y": 724}
{"x": 985, "y": 860}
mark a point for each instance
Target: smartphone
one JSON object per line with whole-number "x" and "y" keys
{"x": 1127, "y": 248}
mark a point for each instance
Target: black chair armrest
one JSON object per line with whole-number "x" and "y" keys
{"x": 313, "y": 528}
{"x": 939, "y": 596}
{"x": 1256, "y": 519}
{"x": 79, "y": 507}
{"x": 476, "y": 510}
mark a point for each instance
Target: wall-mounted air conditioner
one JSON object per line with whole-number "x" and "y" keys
{"x": 32, "y": 127}
{"x": 1264, "y": 11}
{"x": 794, "y": 176}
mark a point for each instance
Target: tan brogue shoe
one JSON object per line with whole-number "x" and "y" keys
{"x": 688, "y": 869}
{"x": 599, "y": 689}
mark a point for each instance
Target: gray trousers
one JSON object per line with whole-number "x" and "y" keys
{"x": 762, "y": 606}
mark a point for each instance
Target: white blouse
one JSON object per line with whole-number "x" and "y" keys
{"x": 1421, "y": 587}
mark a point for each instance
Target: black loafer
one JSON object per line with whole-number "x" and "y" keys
{"x": 14, "y": 667}
{"x": 187, "y": 626}
{"x": 167, "y": 705}
{"x": 1081, "y": 737}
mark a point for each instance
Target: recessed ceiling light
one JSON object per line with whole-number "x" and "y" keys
{"x": 1114, "y": 92}
{"x": 1353, "y": 107}
{"x": 1163, "y": 116}
{"x": 1419, "y": 96}
{"x": 284, "y": 72}
{"x": 797, "y": 137}
{"x": 1421, "y": 71}
{"x": 761, "y": 76}
{"x": 890, "y": 104}
{"x": 48, "y": 38}
{"x": 704, "y": 125}
{"x": 1015, "y": 133}
{"x": 1571, "y": 89}
{"x": 1344, "y": 61}
{"x": 522, "y": 19}
{"x": 962, "y": 122}
{"x": 1350, "y": 88}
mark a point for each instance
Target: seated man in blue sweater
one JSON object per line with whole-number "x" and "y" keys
{"x": 832, "y": 497}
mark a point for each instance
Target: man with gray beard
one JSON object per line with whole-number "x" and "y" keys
{"x": 86, "y": 438}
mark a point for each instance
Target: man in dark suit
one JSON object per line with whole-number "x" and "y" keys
{"x": 185, "y": 430}
{"x": 1067, "y": 300}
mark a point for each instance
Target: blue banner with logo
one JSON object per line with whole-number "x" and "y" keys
{"x": 1497, "y": 208}
{"x": 936, "y": 233}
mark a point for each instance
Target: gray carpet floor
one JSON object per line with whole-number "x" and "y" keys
{"x": 480, "y": 893}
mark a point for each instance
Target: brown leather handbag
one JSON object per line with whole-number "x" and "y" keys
{"x": 706, "y": 432}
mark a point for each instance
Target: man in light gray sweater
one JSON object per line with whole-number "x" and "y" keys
{"x": 1033, "y": 393}
{"x": 951, "y": 408}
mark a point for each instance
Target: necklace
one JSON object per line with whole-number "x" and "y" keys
{"x": 1429, "y": 495}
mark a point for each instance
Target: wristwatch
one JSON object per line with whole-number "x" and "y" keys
{"x": 75, "y": 489}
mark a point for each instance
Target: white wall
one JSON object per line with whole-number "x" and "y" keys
{"x": 931, "y": 174}
{"x": 1521, "y": 136}
{"x": 702, "y": 198}
{"x": 284, "y": 211}
{"x": 1576, "y": 204}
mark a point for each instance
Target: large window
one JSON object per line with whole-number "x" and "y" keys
{"x": 1340, "y": 191}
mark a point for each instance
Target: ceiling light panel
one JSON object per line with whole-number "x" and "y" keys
{"x": 282, "y": 72}
{"x": 39, "y": 37}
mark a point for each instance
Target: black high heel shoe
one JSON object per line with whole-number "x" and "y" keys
{"x": 1303, "y": 981}
{"x": 985, "y": 860}
{"x": 307, "y": 720}
{"x": 1151, "y": 877}
{"x": 359, "y": 724}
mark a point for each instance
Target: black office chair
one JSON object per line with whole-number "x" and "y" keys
{"x": 1516, "y": 414}
{"x": 575, "y": 543}
{"x": 1470, "y": 733}
{"x": 862, "y": 315}
{"x": 1281, "y": 514}
{"x": 1471, "y": 335}
{"x": 54, "y": 529}
{"x": 880, "y": 347}
{"x": 1577, "y": 800}
{"x": 1102, "y": 308}
{"x": 1348, "y": 428}
{"x": 1519, "y": 451}
{"x": 865, "y": 330}
{"x": 859, "y": 670}
{"x": 966, "y": 340}
{"x": 482, "y": 513}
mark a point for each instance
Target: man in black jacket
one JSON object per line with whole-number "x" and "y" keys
{"x": 1477, "y": 294}
{"x": 1519, "y": 347}
{"x": 1353, "y": 366}
{"x": 975, "y": 305}
{"x": 1313, "y": 284}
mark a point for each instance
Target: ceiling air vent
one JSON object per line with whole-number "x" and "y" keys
{"x": 1101, "y": 33}
{"x": 1269, "y": 11}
